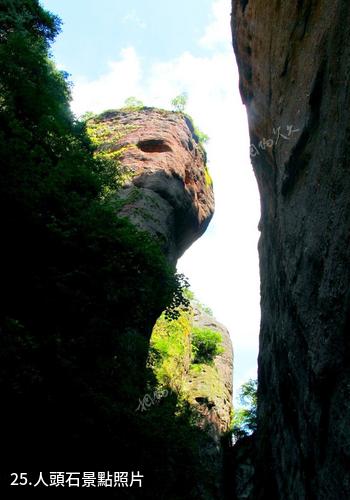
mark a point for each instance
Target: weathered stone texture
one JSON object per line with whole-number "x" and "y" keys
{"x": 169, "y": 192}
{"x": 211, "y": 388}
{"x": 209, "y": 391}
{"x": 294, "y": 63}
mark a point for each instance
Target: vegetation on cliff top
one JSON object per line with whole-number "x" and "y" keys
{"x": 76, "y": 279}
{"x": 178, "y": 103}
{"x": 180, "y": 349}
{"x": 181, "y": 357}
{"x": 80, "y": 287}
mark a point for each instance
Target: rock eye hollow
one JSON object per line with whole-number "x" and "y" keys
{"x": 153, "y": 146}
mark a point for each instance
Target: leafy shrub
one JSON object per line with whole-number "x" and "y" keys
{"x": 170, "y": 360}
{"x": 132, "y": 103}
{"x": 206, "y": 344}
{"x": 179, "y": 102}
{"x": 170, "y": 349}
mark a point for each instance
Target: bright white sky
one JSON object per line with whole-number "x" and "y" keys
{"x": 154, "y": 52}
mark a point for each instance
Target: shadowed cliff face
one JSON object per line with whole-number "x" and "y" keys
{"x": 293, "y": 60}
{"x": 186, "y": 360}
{"x": 168, "y": 191}
{"x": 75, "y": 360}
{"x": 81, "y": 287}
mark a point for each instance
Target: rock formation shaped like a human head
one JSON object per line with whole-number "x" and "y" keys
{"x": 167, "y": 189}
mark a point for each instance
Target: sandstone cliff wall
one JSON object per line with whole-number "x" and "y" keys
{"x": 168, "y": 193}
{"x": 293, "y": 60}
{"x": 211, "y": 388}
{"x": 210, "y": 393}
{"x": 167, "y": 190}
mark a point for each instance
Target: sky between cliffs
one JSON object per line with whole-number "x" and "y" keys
{"x": 155, "y": 50}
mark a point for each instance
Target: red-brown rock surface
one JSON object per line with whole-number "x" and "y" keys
{"x": 294, "y": 60}
{"x": 168, "y": 191}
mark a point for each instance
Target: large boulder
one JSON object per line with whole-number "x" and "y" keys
{"x": 167, "y": 190}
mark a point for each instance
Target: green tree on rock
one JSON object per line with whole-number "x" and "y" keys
{"x": 179, "y": 102}
{"x": 245, "y": 416}
{"x": 133, "y": 102}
